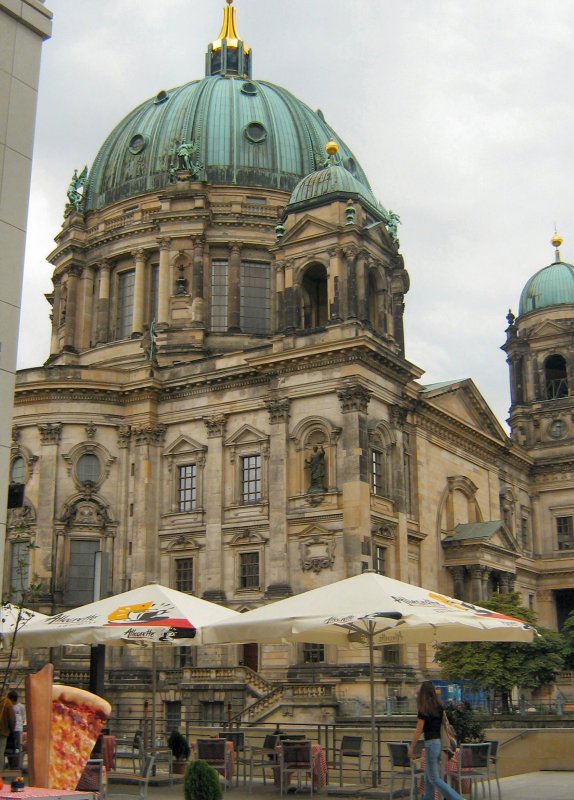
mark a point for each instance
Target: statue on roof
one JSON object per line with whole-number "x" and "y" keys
{"x": 185, "y": 160}
{"x": 392, "y": 222}
{"x": 76, "y": 192}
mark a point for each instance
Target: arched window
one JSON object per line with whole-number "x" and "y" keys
{"x": 314, "y": 313}
{"x": 88, "y": 468}
{"x": 18, "y": 470}
{"x": 555, "y": 377}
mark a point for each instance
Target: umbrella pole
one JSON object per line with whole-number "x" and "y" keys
{"x": 374, "y": 747}
{"x": 153, "y": 694}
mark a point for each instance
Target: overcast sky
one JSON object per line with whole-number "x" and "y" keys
{"x": 460, "y": 112}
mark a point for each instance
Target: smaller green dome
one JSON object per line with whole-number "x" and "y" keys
{"x": 551, "y": 286}
{"x": 333, "y": 181}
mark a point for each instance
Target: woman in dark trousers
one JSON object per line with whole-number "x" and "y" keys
{"x": 430, "y": 713}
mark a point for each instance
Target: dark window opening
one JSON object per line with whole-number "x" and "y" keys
{"x": 249, "y": 570}
{"x": 565, "y": 533}
{"x": 314, "y": 297}
{"x": 555, "y": 377}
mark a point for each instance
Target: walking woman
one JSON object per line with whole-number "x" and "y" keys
{"x": 430, "y": 713}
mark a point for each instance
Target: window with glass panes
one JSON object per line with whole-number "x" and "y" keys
{"x": 218, "y": 295}
{"x": 380, "y": 559}
{"x": 187, "y": 487}
{"x": 251, "y": 478}
{"x": 255, "y": 297}
{"x": 88, "y": 468}
{"x": 20, "y": 567}
{"x": 81, "y": 568}
{"x": 184, "y": 574}
{"x": 565, "y": 532}
{"x": 391, "y": 654}
{"x": 125, "y": 308}
{"x": 18, "y": 470}
{"x": 377, "y": 472}
{"x": 249, "y": 570}
{"x": 313, "y": 653}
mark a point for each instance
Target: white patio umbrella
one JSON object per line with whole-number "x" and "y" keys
{"x": 13, "y": 618}
{"x": 369, "y": 610}
{"x": 151, "y": 614}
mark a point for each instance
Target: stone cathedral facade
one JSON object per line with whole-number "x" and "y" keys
{"x": 228, "y": 408}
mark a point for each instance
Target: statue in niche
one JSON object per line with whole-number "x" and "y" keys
{"x": 316, "y": 466}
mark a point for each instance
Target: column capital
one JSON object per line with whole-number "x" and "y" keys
{"x": 215, "y": 425}
{"x": 139, "y": 254}
{"x": 354, "y": 397}
{"x": 278, "y": 408}
{"x": 50, "y": 433}
{"x": 164, "y": 242}
{"x": 234, "y": 248}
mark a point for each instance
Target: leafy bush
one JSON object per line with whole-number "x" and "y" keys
{"x": 467, "y": 727}
{"x": 179, "y": 746}
{"x": 201, "y": 782}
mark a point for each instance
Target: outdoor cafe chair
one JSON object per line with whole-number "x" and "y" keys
{"x": 493, "y": 765}
{"x": 217, "y": 754}
{"x": 350, "y": 748}
{"x": 403, "y": 767}
{"x": 295, "y": 758}
{"x": 263, "y": 758}
{"x": 133, "y": 751}
{"x": 242, "y": 757}
{"x": 140, "y": 779}
{"x": 92, "y": 778}
{"x": 474, "y": 766}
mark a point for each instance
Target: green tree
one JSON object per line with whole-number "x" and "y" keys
{"x": 500, "y": 666}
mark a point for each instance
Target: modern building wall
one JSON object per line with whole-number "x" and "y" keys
{"x": 24, "y": 25}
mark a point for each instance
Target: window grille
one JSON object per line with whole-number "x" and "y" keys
{"x": 125, "y": 312}
{"x": 184, "y": 574}
{"x": 249, "y": 570}
{"x": 251, "y": 478}
{"x": 187, "y": 488}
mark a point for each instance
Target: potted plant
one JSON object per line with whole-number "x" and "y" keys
{"x": 180, "y": 748}
{"x": 201, "y": 782}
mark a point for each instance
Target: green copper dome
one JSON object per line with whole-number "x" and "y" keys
{"x": 238, "y": 131}
{"x": 551, "y": 286}
{"x": 331, "y": 182}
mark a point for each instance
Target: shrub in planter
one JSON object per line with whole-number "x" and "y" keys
{"x": 180, "y": 748}
{"x": 201, "y": 782}
{"x": 463, "y": 720}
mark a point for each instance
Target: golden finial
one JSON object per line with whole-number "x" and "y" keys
{"x": 228, "y": 29}
{"x": 556, "y": 242}
{"x": 332, "y": 148}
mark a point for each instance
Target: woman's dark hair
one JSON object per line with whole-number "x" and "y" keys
{"x": 427, "y": 700}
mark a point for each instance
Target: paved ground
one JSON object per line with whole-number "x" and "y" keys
{"x": 532, "y": 786}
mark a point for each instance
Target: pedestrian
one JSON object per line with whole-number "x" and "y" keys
{"x": 7, "y": 724}
{"x": 20, "y": 721}
{"x": 430, "y": 713}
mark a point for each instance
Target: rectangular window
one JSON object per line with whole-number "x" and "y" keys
{"x": 187, "y": 488}
{"x": 391, "y": 654}
{"x": 81, "y": 567}
{"x": 377, "y": 472}
{"x": 313, "y": 653}
{"x": 249, "y": 570}
{"x": 255, "y": 297}
{"x": 184, "y": 574}
{"x": 218, "y": 295}
{"x": 212, "y": 712}
{"x": 125, "y": 310}
{"x": 173, "y": 714}
{"x": 251, "y": 479}
{"x": 185, "y": 657}
{"x": 565, "y": 532}
{"x": 19, "y": 570}
{"x": 380, "y": 560}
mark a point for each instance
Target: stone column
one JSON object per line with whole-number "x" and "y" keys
{"x": 104, "y": 303}
{"x": 475, "y": 583}
{"x": 139, "y": 292}
{"x": 164, "y": 287}
{"x": 398, "y": 325}
{"x": 148, "y": 440}
{"x": 334, "y": 289}
{"x": 458, "y": 578}
{"x": 71, "y": 308}
{"x": 290, "y": 300}
{"x": 214, "y": 502}
{"x": 350, "y": 269}
{"x": 484, "y": 580}
{"x": 197, "y": 304}
{"x": 121, "y": 554}
{"x": 87, "y": 307}
{"x": 401, "y": 490}
{"x": 234, "y": 288}
{"x": 361, "y": 271}
{"x": 278, "y": 560}
{"x": 355, "y": 477}
{"x": 46, "y": 512}
{"x": 55, "y": 340}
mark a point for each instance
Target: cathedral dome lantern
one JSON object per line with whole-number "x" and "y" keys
{"x": 549, "y": 287}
